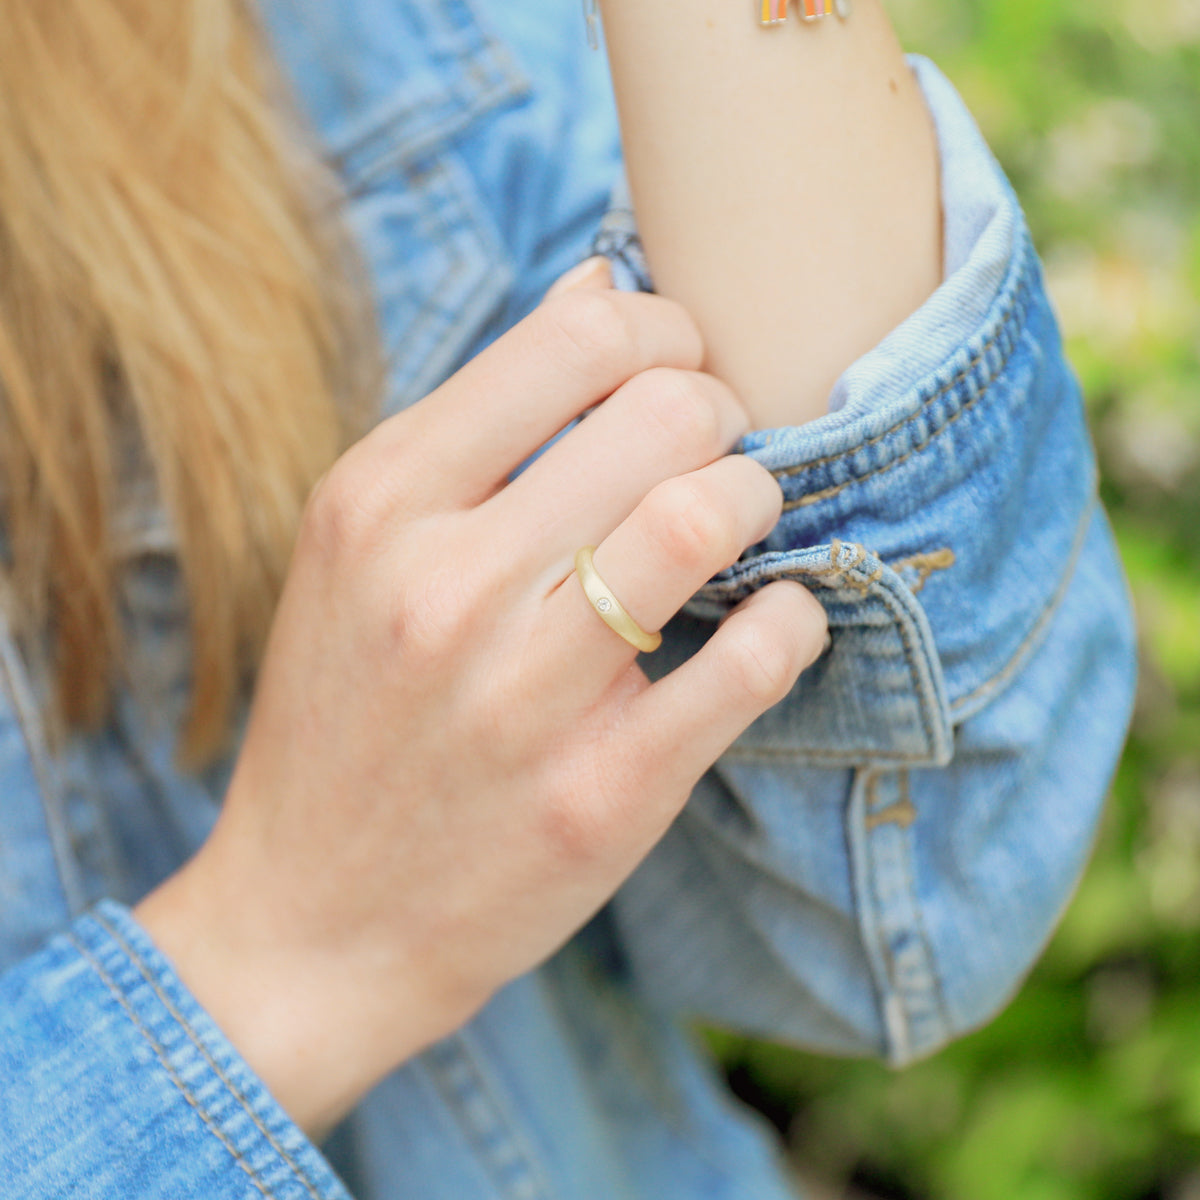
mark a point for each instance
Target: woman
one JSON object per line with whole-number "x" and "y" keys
{"x": 448, "y": 887}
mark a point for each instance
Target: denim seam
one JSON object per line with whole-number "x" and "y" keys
{"x": 160, "y": 1053}
{"x": 483, "y": 236}
{"x": 433, "y": 182}
{"x": 422, "y": 183}
{"x": 360, "y": 180}
{"x": 458, "y": 1050}
{"x": 882, "y": 758}
{"x": 894, "y": 847}
{"x": 860, "y": 583}
{"x": 787, "y": 472}
{"x": 861, "y": 552}
{"x": 868, "y": 915}
{"x": 959, "y": 707}
{"x": 934, "y": 989}
{"x": 753, "y": 930}
{"x": 489, "y": 64}
{"x": 199, "y": 1046}
{"x": 836, "y": 758}
{"x": 910, "y": 656}
{"x": 1015, "y": 308}
{"x": 966, "y": 407}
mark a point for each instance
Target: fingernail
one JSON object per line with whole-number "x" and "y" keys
{"x": 593, "y": 271}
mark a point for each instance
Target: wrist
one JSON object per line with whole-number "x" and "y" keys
{"x": 309, "y": 1025}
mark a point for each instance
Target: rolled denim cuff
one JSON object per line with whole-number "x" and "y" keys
{"x": 117, "y": 1083}
{"x": 939, "y": 509}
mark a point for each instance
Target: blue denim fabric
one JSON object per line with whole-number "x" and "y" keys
{"x": 872, "y": 867}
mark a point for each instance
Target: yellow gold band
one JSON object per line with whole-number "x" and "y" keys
{"x": 612, "y": 611}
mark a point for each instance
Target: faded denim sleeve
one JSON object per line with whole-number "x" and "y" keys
{"x": 114, "y": 1082}
{"x": 876, "y": 863}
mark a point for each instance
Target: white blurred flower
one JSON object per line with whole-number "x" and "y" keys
{"x": 1083, "y": 155}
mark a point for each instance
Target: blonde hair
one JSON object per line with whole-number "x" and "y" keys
{"x": 169, "y": 262}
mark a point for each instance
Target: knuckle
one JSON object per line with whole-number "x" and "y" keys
{"x": 680, "y": 408}
{"x": 337, "y": 512}
{"x": 759, "y": 664}
{"x": 573, "y": 830}
{"x": 691, "y": 529}
{"x": 432, "y": 619}
{"x": 589, "y": 331}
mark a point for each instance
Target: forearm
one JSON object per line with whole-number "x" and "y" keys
{"x": 786, "y": 186}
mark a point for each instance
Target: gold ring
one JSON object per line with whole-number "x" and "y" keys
{"x": 612, "y": 611}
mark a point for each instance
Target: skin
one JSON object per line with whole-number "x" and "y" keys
{"x": 786, "y": 186}
{"x": 451, "y": 761}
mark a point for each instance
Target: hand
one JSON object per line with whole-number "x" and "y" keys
{"x": 452, "y": 762}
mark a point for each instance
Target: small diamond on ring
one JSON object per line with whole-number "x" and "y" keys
{"x": 604, "y": 604}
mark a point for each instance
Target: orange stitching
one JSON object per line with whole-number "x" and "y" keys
{"x": 871, "y": 789}
{"x": 825, "y": 493}
{"x": 160, "y": 1054}
{"x": 926, "y": 564}
{"x": 879, "y": 437}
{"x": 837, "y": 577}
{"x": 1014, "y": 663}
{"x": 165, "y": 1000}
{"x": 956, "y": 707}
{"x": 817, "y": 576}
{"x": 1018, "y": 296}
{"x": 836, "y": 572}
{"x": 837, "y": 568}
{"x": 900, "y": 812}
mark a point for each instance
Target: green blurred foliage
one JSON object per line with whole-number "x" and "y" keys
{"x": 1088, "y": 1086}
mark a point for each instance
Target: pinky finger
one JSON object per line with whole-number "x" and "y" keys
{"x": 691, "y": 716}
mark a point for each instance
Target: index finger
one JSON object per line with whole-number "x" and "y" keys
{"x": 570, "y": 353}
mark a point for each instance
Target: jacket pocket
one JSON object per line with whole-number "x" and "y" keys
{"x": 390, "y": 86}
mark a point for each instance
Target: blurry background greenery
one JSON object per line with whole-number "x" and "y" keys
{"x": 1088, "y": 1086}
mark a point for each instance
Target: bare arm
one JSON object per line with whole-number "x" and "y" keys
{"x": 786, "y": 186}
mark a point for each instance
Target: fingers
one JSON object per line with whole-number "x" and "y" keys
{"x": 685, "y": 721}
{"x": 660, "y": 424}
{"x": 682, "y": 533}
{"x": 574, "y": 350}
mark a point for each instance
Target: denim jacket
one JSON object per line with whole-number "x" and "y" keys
{"x": 870, "y": 869}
